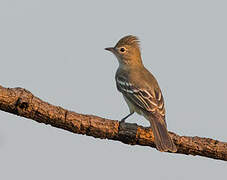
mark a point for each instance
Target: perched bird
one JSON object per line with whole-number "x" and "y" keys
{"x": 140, "y": 90}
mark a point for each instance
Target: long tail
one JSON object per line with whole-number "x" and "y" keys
{"x": 162, "y": 139}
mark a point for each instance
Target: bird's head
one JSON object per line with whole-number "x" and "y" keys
{"x": 127, "y": 50}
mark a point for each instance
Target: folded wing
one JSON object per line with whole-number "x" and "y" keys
{"x": 149, "y": 100}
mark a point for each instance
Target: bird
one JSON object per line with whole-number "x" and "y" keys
{"x": 140, "y": 90}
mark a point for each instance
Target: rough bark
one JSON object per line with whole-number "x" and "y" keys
{"x": 21, "y": 102}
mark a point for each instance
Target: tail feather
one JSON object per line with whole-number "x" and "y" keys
{"x": 162, "y": 139}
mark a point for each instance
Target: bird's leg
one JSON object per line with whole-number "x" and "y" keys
{"x": 123, "y": 120}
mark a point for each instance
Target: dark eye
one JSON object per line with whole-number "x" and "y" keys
{"x": 122, "y": 49}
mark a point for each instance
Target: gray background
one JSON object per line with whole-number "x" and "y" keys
{"x": 55, "y": 49}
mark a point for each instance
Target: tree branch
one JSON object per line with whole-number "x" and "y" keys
{"x": 23, "y": 103}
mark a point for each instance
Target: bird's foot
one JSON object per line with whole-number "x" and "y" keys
{"x": 123, "y": 120}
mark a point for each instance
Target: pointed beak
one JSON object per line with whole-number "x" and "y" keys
{"x": 111, "y": 49}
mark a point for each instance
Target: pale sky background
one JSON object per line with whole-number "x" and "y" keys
{"x": 55, "y": 49}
